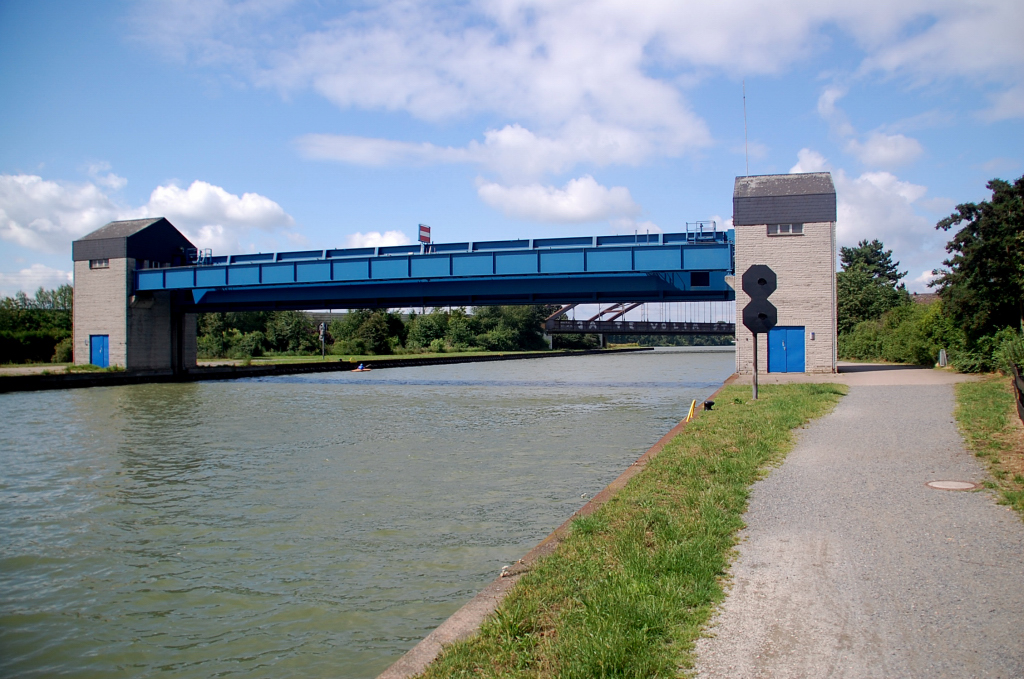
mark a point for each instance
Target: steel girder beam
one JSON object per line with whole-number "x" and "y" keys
{"x": 553, "y": 289}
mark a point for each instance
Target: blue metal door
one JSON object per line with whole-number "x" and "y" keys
{"x": 786, "y": 349}
{"x": 99, "y": 350}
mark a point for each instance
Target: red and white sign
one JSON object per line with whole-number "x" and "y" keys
{"x": 424, "y": 233}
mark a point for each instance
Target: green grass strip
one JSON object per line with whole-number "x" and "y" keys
{"x": 629, "y": 590}
{"x": 987, "y": 415}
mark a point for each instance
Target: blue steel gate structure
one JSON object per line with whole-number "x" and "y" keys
{"x": 668, "y": 267}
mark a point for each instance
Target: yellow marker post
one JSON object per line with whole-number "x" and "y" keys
{"x": 692, "y": 407}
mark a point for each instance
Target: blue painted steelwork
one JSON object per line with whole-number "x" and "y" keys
{"x": 655, "y": 267}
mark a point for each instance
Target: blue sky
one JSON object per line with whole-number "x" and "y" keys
{"x": 269, "y": 125}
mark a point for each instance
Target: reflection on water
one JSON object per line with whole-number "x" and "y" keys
{"x": 300, "y": 526}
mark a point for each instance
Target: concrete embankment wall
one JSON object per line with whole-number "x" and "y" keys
{"x": 231, "y": 372}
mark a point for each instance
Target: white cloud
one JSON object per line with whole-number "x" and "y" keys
{"x": 880, "y": 205}
{"x": 46, "y": 216}
{"x": 885, "y": 150}
{"x": 514, "y": 152}
{"x": 809, "y": 161}
{"x": 580, "y": 200}
{"x": 1006, "y": 105}
{"x": 722, "y": 223}
{"x": 202, "y": 204}
{"x": 831, "y": 113}
{"x": 978, "y": 41}
{"x": 374, "y": 239}
{"x": 31, "y": 279}
{"x": 109, "y": 180}
{"x": 576, "y": 81}
{"x": 878, "y": 148}
{"x": 920, "y": 283}
{"x": 433, "y": 59}
{"x": 214, "y": 218}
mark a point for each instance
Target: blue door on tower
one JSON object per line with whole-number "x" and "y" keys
{"x": 99, "y": 350}
{"x": 786, "y": 349}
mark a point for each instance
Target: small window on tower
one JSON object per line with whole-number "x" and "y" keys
{"x": 700, "y": 279}
{"x": 99, "y": 263}
{"x": 785, "y": 229}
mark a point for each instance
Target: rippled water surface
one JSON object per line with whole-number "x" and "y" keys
{"x": 300, "y": 526}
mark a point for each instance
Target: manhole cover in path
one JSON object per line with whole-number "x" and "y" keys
{"x": 952, "y": 485}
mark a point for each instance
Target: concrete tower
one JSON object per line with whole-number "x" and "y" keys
{"x": 788, "y": 222}
{"x": 112, "y": 324}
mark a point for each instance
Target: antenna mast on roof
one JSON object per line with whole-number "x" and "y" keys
{"x": 746, "y": 152}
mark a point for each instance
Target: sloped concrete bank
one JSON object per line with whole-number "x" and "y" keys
{"x": 11, "y": 383}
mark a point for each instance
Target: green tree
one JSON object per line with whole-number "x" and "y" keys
{"x": 426, "y": 328}
{"x": 49, "y": 311}
{"x": 982, "y": 286}
{"x": 868, "y": 286}
{"x": 460, "y": 332}
{"x": 292, "y": 331}
{"x": 362, "y": 330}
{"x": 247, "y": 322}
{"x": 507, "y": 328}
{"x": 874, "y": 259}
{"x": 345, "y": 328}
{"x": 374, "y": 333}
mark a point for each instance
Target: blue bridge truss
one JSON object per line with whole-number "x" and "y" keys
{"x": 669, "y": 267}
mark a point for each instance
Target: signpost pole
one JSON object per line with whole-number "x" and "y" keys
{"x": 755, "y": 366}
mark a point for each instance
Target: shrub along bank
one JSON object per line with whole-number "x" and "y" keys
{"x": 987, "y": 414}
{"x": 628, "y": 591}
{"x": 980, "y": 318}
{"x": 915, "y": 333}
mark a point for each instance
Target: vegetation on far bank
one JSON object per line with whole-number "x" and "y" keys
{"x": 36, "y": 329}
{"x": 368, "y": 358}
{"x": 987, "y": 414}
{"x": 628, "y": 591}
{"x": 380, "y": 332}
{"x": 979, "y": 316}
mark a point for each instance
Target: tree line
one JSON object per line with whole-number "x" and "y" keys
{"x": 381, "y": 332}
{"x": 978, "y": 318}
{"x": 37, "y": 329}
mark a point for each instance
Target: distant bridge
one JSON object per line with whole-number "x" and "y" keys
{"x": 706, "y": 321}
{"x": 555, "y": 327}
{"x": 670, "y": 267}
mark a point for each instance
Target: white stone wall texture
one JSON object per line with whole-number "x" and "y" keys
{"x": 139, "y": 327}
{"x": 806, "y": 295}
{"x": 100, "y": 309}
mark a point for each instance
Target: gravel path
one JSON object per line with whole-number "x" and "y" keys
{"x": 852, "y": 567}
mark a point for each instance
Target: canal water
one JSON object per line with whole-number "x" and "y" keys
{"x": 305, "y": 526}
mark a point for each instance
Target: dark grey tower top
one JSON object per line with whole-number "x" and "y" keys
{"x": 784, "y": 199}
{"x": 154, "y": 239}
